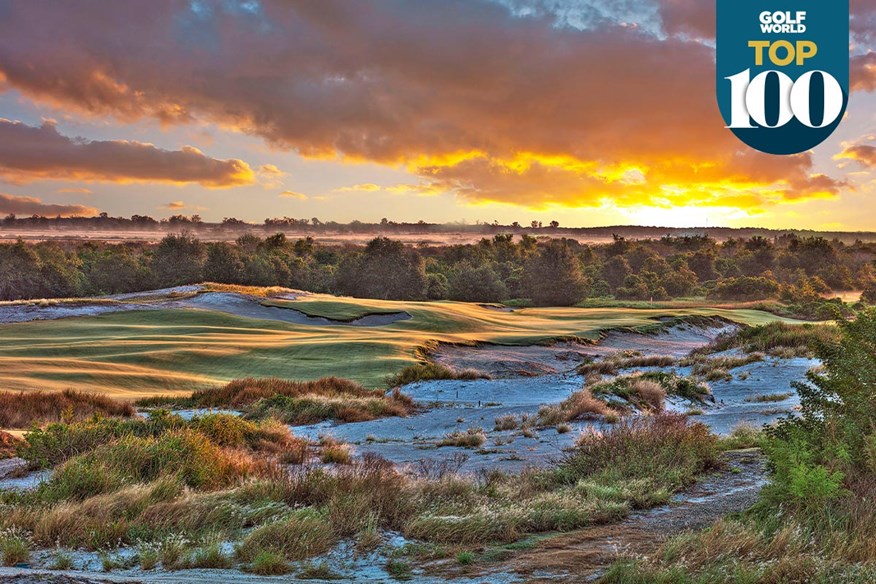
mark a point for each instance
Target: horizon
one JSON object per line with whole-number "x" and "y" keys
{"x": 483, "y": 110}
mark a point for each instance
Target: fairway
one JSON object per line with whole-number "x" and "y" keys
{"x": 140, "y": 353}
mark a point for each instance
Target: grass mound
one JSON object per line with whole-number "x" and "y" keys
{"x": 296, "y": 402}
{"x": 777, "y": 338}
{"x": 431, "y": 371}
{"x": 25, "y": 409}
{"x": 611, "y": 364}
{"x": 187, "y": 455}
{"x": 59, "y": 442}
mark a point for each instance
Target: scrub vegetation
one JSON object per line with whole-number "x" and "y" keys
{"x": 295, "y": 402}
{"x": 814, "y": 522}
{"x": 171, "y": 488}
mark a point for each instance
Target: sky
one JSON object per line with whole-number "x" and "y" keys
{"x": 581, "y": 111}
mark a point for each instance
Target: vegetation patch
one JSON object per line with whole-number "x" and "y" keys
{"x": 612, "y": 364}
{"x": 24, "y": 409}
{"x": 175, "y": 493}
{"x": 429, "y": 372}
{"x": 8, "y": 445}
{"x": 296, "y": 402}
{"x": 777, "y": 338}
{"x": 815, "y": 521}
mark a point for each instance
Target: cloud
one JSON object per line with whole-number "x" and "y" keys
{"x": 863, "y": 71}
{"x": 359, "y": 188}
{"x": 422, "y": 189}
{"x": 175, "y": 205}
{"x": 861, "y": 153}
{"x": 492, "y": 103}
{"x": 294, "y": 195}
{"x": 29, "y": 153}
{"x": 270, "y": 176}
{"x": 19, "y": 205}
{"x": 75, "y": 191}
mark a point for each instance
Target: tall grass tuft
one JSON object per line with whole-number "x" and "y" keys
{"x": 26, "y": 409}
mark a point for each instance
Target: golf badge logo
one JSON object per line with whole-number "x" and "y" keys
{"x": 782, "y": 71}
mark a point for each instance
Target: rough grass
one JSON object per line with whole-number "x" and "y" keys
{"x": 58, "y": 442}
{"x": 717, "y": 368}
{"x": 431, "y": 371}
{"x": 296, "y": 402}
{"x": 612, "y": 364}
{"x": 776, "y": 338}
{"x": 25, "y": 409}
{"x": 471, "y": 438}
{"x": 173, "y": 492}
{"x": 640, "y": 391}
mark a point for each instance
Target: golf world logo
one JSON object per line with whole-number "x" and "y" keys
{"x": 783, "y": 71}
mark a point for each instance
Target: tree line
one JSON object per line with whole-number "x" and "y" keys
{"x": 504, "y": 267}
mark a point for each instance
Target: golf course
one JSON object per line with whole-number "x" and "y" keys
{"x": 165, "y": 342}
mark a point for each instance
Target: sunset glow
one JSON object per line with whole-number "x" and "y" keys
{"x": 474, "y": 110}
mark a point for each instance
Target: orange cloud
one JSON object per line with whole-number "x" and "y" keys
{"x": 294, "y": 195}
{"x": 475, "y": 98}
{"x": 175, "y": 205}
{"x": 19, "y": 205}
{"x": 862, "y": 153}
{"x": 76, "y": 191}
{"x": 28, "y": 153}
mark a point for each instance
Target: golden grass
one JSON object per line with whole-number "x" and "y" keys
{"x": 22, "y": 410}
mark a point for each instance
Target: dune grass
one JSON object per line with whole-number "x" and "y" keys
{"x": 430, "y": 371}
{"x": 776, "y": 338}
{"x": 294, "y": 402}
{"x": 22, "y": 410}
{"x": 174, "y": 493}
{"x": 142, "y": 353}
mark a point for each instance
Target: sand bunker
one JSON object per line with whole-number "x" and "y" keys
{"x": 507, "y": 362}
{"x": 181, "y": 297}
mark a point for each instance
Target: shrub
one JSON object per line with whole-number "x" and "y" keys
{"x": 508, "y": 422}
{"x": 334, "y": 452}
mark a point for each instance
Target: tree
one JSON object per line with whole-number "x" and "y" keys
{"x": 615, "y": 270}
{"x": 223, "y": 264}
{"x": 387, "y": 270}
{"x": 470, "y": 283}
{"x": 19, "y": 272}
{"x": 179, "y": 259}
{"x": 553, "y": 277}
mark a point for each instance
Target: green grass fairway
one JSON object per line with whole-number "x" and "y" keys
{"x": 135, "y": 354}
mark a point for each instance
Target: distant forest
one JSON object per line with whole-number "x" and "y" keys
{"x": 230, "y": 228}
{"x": 797, "y": 271}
